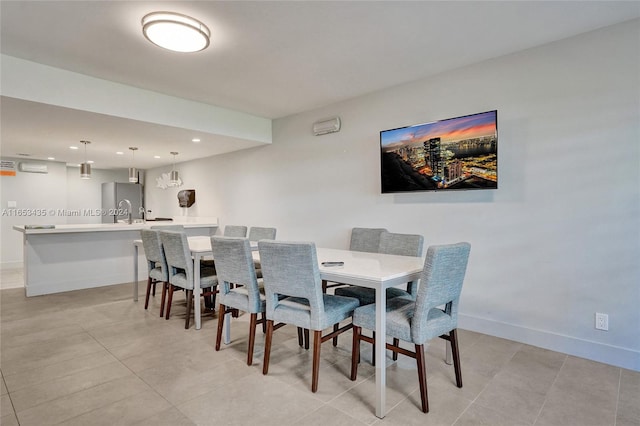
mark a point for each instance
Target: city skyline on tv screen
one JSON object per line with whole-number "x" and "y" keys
{"x": 456, "y": 153}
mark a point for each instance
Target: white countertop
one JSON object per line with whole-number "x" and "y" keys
{"x": 110, "y": 227}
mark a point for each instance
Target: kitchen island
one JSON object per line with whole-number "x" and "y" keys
{"x": 72, "y": 257}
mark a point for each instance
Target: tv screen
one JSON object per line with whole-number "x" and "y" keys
{"x": 457, "y": 153}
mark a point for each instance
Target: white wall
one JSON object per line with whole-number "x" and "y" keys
{"x": 558, "y": 241}
{"x": 51, "y": 195}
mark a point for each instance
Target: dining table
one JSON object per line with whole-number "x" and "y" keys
{"x": 372, "y": 270}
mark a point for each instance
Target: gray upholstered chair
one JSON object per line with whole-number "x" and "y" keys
{"x": 362, "y": 239}
{"x": 235, "y": 231}
{"x": 238, "y": 284}
{"x": 156, "y": 264}
{"x": 181, "y": 274}
{"x": 389, "y": 243}
{"x": 365, "y": 239}
{"x": 258, "y": 233}
{"x": 294, "y": 296}
{"x": 434, "y": 313}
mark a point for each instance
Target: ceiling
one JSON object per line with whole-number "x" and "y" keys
{"x": 269, "y": 59}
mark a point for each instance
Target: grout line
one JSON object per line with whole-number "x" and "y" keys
{"x": 555, "y": 379}
{"x": 615, "y": 415}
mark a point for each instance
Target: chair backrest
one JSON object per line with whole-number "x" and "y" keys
{"x": 401, "y": 244}
{"x": 168, "y": 227}
{"x": 291, "y": 269}
{"x": 365, "y": 239}
{"x": 235, "y": 231}
{"x": 257, "y": 233}
{"x": 234, "y": 264}
{"x": 176, "y": 249}
{"x": 441, "y": 284}
{"x": 154, "y": 251}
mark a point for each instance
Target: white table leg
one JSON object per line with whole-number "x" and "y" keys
{"x": 196, "y": 289}
{"x": 380, "y": 349}
{"x": 135, "y": 272}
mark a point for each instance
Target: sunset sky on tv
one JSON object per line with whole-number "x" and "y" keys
{"x": 454, "y": 129}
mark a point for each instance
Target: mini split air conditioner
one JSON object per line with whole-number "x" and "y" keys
{"x": 323, "y": 127}
{"x": 32, "y": 167}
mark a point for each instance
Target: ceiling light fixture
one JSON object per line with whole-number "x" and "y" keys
{"x": 174, "y": 31}
{"x": 174, "y": 179}
{"x": 133, "y": 173}
{"x": 85, "y": 168}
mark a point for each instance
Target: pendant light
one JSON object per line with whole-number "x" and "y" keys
{"x": 133, "y": 173}
{"x": 85, "y": 168}
{"x": 174, "y": 180}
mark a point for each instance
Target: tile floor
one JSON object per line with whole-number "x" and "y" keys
{"x": 94, "y": 357}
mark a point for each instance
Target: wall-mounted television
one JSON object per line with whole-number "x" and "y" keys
{"x": 452, "y": 154}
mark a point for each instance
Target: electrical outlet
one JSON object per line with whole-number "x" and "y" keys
{"x": 602, "y": 321}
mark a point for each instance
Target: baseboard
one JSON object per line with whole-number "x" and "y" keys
{"x": 607, "y": 354}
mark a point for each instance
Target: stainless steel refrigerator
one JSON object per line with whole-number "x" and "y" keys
{"x": 113, "y": 193}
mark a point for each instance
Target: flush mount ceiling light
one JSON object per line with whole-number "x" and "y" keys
{"x": 174, "y": 31}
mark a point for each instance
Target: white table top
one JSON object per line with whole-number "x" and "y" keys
{"x": 368, "y": 269}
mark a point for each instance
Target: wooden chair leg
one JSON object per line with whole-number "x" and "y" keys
{"x": 455, "y": 353}
{"x": 300, "y": 337}
{"x": 324, "y": 288}
{"x": 264, "y": 322}
{"x": 162, "y": 300}
{"x": 355, "y": 352}
{"x": 169, "y": 300}
{"x": 396, "y": 342}
{"x": 267, "y": 347}
{"x": 146, "y": 298}
{"x": 373, "y": 350}
{"x": 335, "y": 339}
{"x": 207, "y": 298}
{"x": 422, "y": 377}
{"x": 306, "y": 338}
{"x": 252, "y": 337}
{"x": 189, "y": 294}
{"x": 154, "y": 289}
{"x": 220, "y": 326}
{"x": 317, "y": 341}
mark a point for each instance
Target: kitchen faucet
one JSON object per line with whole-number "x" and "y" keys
{"x": 129, "y": 213}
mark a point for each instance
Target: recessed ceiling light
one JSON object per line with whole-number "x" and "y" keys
{"x": 119, "y": 152}
{"x": 90, "y": 162}
{"x": 174, "y": 31}
{"x": 73, "y": 147}
{"x": 195, "y": 140}
{"x": 51, "y": 158}
{"x": 156, "y": 156}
